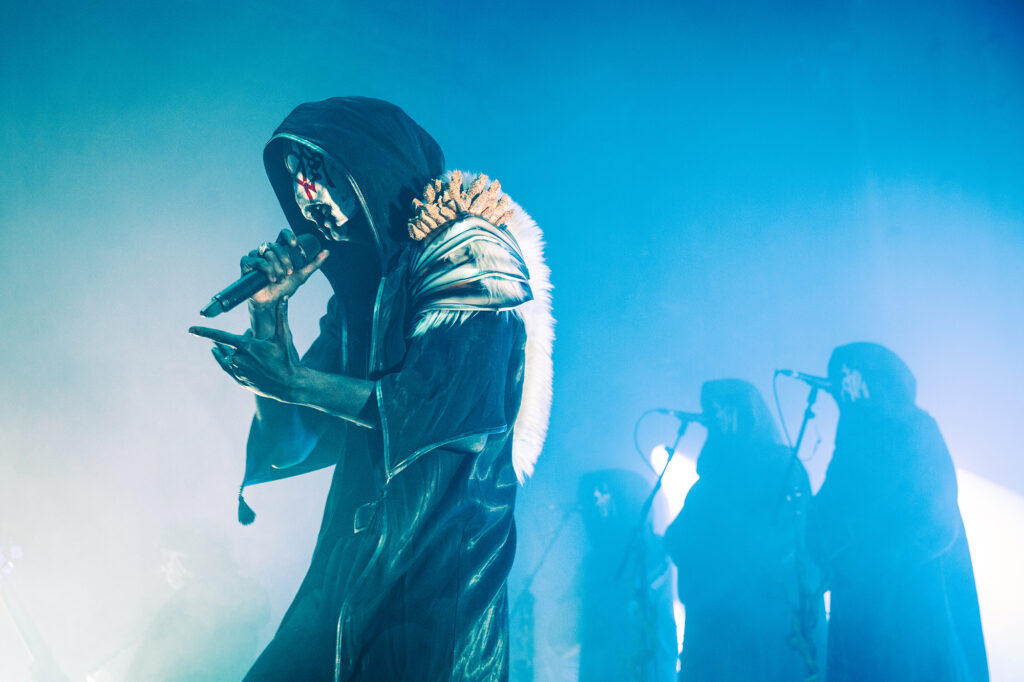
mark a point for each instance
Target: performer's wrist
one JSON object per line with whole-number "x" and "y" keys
{"x": 335, "y": 394}
{"x": 262, "y": 319}
{"x": 302, "y": 387}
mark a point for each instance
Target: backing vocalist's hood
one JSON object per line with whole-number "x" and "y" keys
{"x": 386, "y": 156}
{"x": 888, "y": 387}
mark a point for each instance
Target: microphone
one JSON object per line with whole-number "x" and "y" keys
{"x": 683, "y": 416}
{"x": 254, "y": 280}
{"x": 809, "y": 379}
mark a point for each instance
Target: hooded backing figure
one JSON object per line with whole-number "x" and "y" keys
{"x": 208, "y": 629}
{"x": 887, "y": 531}
{"x": 626, "y": 628}
{"x": 735, "y": 546}
{"x": 428, "y": 388}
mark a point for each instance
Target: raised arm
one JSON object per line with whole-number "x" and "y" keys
{"x": 270, "y": 367}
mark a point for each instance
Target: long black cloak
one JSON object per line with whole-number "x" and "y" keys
{"x": 735, "y": 546}
{"x": 407, "y": 580}
{"x": 888, "y": 531}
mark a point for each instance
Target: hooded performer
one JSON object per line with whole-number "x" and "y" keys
{"x": 887, "y": 531}
{"x": 428, "y": 388}
{"x": 735, "y": 545}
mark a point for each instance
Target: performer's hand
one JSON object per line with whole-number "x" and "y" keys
{"x": 273, "y": 260}
{"x": 268, "y": 367}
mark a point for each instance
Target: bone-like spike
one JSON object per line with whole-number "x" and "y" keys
{"x": 455, "y": 191}
{"x": 477, "y": 187}
{"x": 491, "y": 215}
{"x": 503, "y": 219}
{"x": 445, "y": 199}
{"x": 434, "y": 213}
{"x": 422, "y": 227}
{"x": 451, "y": 205}
{"x": 481, "y": 203}
{"x": 493, "y": 192}
{"x": 504, "y": 204}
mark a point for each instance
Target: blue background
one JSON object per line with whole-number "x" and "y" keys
{"x": 726, "y": 188}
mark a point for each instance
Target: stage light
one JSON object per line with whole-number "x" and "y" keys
{"x": 679, "y": 478}
{"x": 681, "y": 475}
{"x": 994, "y": 519}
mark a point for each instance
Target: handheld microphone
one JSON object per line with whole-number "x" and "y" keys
{"x": 683, "y": 416}
{"x": 251, "y": 282}
{"x": 809, "y": 379}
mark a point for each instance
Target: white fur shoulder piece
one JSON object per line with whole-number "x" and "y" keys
{"x": 466, "y": 221}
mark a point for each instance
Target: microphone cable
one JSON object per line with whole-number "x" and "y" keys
{"x": 778, "y": 408}
{"x": 636, "y": 438}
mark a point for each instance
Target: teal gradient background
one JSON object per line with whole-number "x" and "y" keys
{"x": 726, "y": 188}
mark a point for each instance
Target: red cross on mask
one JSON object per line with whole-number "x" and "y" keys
{"x": 308, "y": 186}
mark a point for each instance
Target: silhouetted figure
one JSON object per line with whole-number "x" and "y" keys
{"x": 626, "y": 628}
{"x": 735, "y": 547}
{"x": 888, "y": 532}
{"x": 208, "y": 630}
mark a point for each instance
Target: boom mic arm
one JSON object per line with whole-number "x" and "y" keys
{"x": 817, "y": 382}
{"x": 683, "y": 416}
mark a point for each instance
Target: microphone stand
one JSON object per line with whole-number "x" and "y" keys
{"x": 522, "y": 607}
{"x": 649, "y": 502}
{"x": 803, "y": 624}
{"x": 812, "y": 397}
{"x": 644, "y": 657}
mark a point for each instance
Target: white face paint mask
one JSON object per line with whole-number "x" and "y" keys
{"x": 724, "y": 419}
{"x": 321, "y": 202}
{"x": 853, "y": 386}
{"x": 603, "y": 502}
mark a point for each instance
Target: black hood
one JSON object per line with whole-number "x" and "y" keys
{"x": 754, "y": 453}
{"x": 387, "y": 157}
{"x": 754, "y": 419}
{"x": 892, "y": 388}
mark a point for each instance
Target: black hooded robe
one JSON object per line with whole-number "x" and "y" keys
{"x": 887, "y": 529}
{"x": 733, "y": 545}
{"x": 407, "y": 581}
{"x": 626, "y": 626}
{"x": 736, "y": 544}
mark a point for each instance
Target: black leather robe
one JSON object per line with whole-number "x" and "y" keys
{"x": 407, "y": 581}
